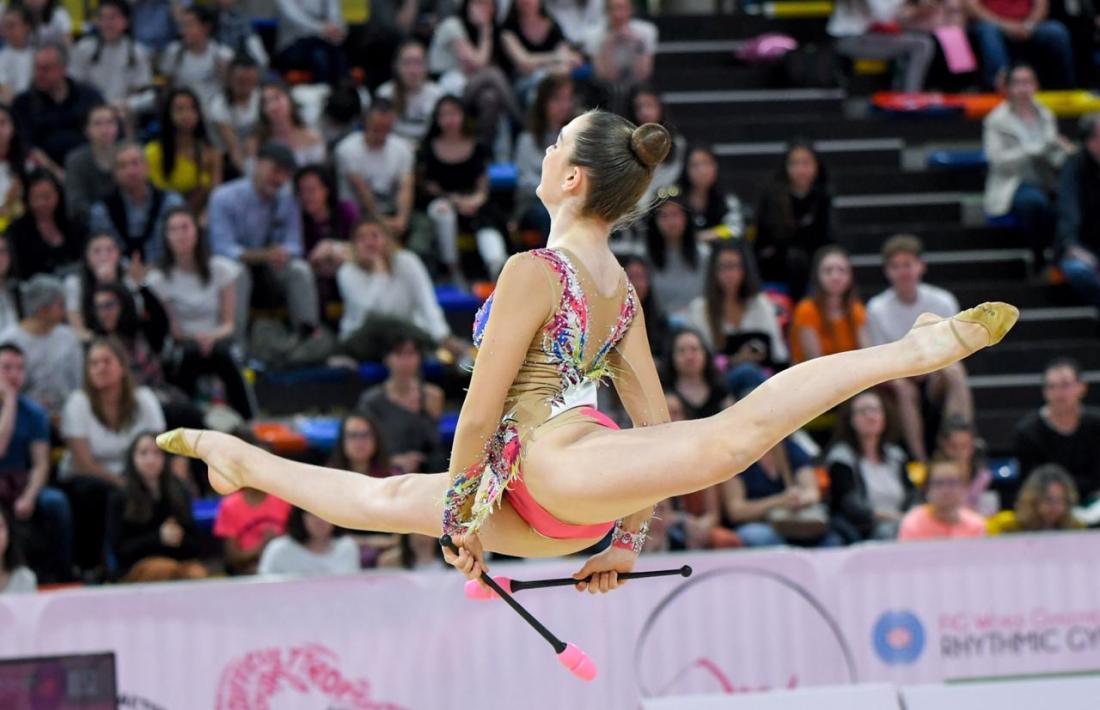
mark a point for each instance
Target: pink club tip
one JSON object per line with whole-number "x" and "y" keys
{"x": 474, "y": 590}
{"x": 577, "y": 662}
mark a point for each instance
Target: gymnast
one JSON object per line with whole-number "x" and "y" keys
{"x": 535, "y": 469}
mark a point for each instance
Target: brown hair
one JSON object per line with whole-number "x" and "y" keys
{"x": 902, "y": 244}
{"x": 391, "y": 247}
{"x": 127, "y": 405}
{"x": 850, "y": 297}
{"x": 1035, "y": 486}
{"x": 620, "y": 158}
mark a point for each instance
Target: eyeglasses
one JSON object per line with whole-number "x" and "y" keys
{"x": 946, "y": 483}
{"x": 106, "y": 305}
{"x": 358, "y": 434}
{"x": 867, "y": 409}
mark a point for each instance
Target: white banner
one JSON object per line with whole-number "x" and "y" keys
{"x": 744, "y": 622}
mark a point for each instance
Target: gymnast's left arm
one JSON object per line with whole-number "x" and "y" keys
{"x": 635, "y": 378}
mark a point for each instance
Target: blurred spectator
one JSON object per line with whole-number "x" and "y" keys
{"x": 89, "y": 169}
{"x": 361, "y": 446}
{"x": 406, "y": 409}
{"x": 150, "y": 529}
{"x": 463, "y": 53}
{"x": 25, "y": 472}
{"x": 52, "y": 22}
{"x": 1063, "y": 431}
{"x": 1021, "y": 142}
{"x": 281, "y": 123}
{"x": 891, "y": 314}
{"x": 576, "y": 18}
{"x": 102, "y": 264}
{"x": 657, "y": 327}
{"x": 622, "y": 50}
{"x": 869, "y": 487}
{"x": 382, "y": 279}
{"x": 45, "y": 241}
{"x": 673, "y": 246}
{"x": 412, "y": 94}
{"x": 533, "y": 46}
{"x": 98, "y": 425}
{"x": 453, "y": 180}
{"x": 256, "y": 220}
{"x": 50, "y": 114}
{"x": 831, "y": 319}
{"x": 311, "y": 547}
{"x": 884, "y": 30}
{"x": 734, "y": 317}
{"x": 1046, "y": 502}
{"x": 327, "y": 223}
{"x": 15, "y": 577}
{"x": 1003, "y": 27}
{"x": 51, "y": 348}
{"x": 1078, "y": 229}
{"x": 196, "y": 61}
{"x": 115, "y": 64}
{"x": 199, "y": 292}
{"x": 959, "y": 442}
{"x": 310, "y": 35}
{"x": 690, "y": 374}
{"x": 376, "y": 169}
{"x": 10, "y": 300}
{"x": 715, "y": 214}
{"x": 181, "y": 158}
{"x": 646, "y": 107}
{"x": 17, "y": 54}
{"x": 793, "y": 219}
{"x": 234, "y": 114}
{"x": 133, "y": 213}
{"x": 776, "y": 501}
{"x": 12, "y": 170}
{"x": 233, "y": 29}
{"x": 552, "y": 108}
{"x": 342, "y": 113}
{"x": 154, "y": 23}
{"x": 945, "y": 514}
{"x": 247, "y": 520}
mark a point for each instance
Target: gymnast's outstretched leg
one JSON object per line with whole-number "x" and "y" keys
{"x": 607, "y": 474}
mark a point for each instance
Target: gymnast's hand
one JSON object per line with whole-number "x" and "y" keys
{"x": 606, "y": 567}
{"x": 470, "y": 559}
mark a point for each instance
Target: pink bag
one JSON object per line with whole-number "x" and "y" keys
{"x": 766, "y": 48}
{"x": 956, "y": 49}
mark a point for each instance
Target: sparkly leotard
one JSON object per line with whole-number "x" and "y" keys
{"x": 556, "y": 384}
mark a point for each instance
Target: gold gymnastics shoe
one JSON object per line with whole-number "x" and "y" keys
{"x": 174, "y": 442}
{"x": 997, "y": 318}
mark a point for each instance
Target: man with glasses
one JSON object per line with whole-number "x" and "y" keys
{"x": 944, "y": 515}
{"x": 1063, "y": 431}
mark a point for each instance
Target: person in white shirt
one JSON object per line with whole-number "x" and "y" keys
{"x": 311, "y": 33}
{"x": 196, "y": 61}
{"x": 17, "y": 55}
{"x": 15, "y": 577}
{"x": 114, "y": 63}
{"x": 622, "y": 48}
{"x": 894, "y": 311}
{"x": 413, "y": 96}
{"x": 852, "y": 25}
{"x": 381, "y": 279}
{"x": 51, "y": 22}
{"x": 311, "y": 547}
{"x": 376, "y": 169}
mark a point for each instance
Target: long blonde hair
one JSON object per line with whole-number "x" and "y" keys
{"x": 1034, "y": 488}
{"x": 388, "y": 251}
{"x": 127, "y": 402}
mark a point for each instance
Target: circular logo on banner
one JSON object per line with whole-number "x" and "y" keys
{"x": 898, "y": 637}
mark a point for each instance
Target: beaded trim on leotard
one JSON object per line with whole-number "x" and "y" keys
{"x": 564, "y": 340}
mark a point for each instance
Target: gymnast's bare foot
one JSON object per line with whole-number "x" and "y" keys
{"x": 937, "y": 342}
{"x": 225, "y": 478}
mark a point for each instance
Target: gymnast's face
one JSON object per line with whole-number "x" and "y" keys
{"x": 560, "y": 178}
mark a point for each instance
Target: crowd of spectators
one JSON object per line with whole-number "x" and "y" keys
{"x": 180, "y": 198}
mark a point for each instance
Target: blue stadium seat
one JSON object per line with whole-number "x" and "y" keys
{"x": 956, "y": 159}
{"x": 321, "y": 433}
{"x": 1005, "y": 469}
{"x": 503, "y": 176}
{"x": 454, "y": 300}
{"x": 1005, "y": 221}
{"x": 447, "y": 425}
{"x": 205, "y": 511}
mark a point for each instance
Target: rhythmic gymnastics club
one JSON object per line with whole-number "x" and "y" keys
{"x": 476, "y": 591}
{"x": 574, "y": 659}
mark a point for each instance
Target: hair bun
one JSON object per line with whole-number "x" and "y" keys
{"x": 650, "y": 143}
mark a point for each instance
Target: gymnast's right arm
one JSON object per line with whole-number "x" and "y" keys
{"x": 521, "y": 305}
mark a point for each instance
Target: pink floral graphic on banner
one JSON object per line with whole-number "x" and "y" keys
{"x": 254, "y": 680}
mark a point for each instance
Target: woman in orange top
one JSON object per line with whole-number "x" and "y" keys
{"x": 831, "y": 319}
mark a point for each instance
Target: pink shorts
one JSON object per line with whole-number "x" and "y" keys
{"x": 540, "y": 520}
